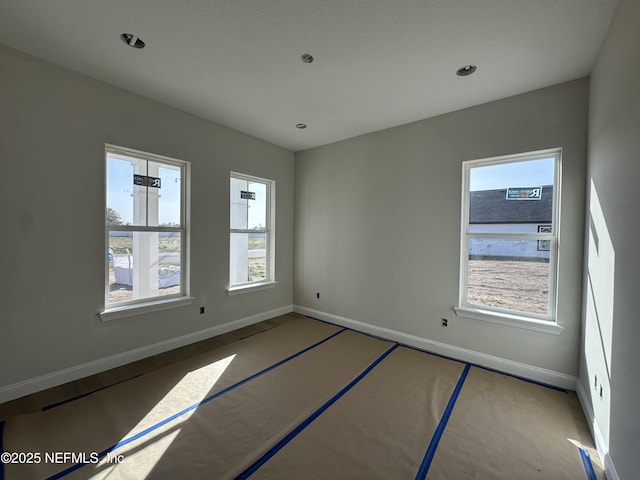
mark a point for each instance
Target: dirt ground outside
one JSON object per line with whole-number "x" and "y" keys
{"x": 510, "y": 284}
{"x": 171, "y": 244}
{"x": 122, "y": 293}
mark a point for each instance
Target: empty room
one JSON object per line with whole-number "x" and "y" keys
{"x": 319, "y": 239}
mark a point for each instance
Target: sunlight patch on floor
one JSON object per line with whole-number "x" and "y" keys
{"x": 141, "y": 455}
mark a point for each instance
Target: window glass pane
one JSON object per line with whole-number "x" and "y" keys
{"x": 119, "y": 191}
{"x": 508, "y": 274}
{"x": 143, "y": 265}
{"x": 239, "y": 212}
{"x": 165, "y": 197}
{"x": 153, "y": 198}
{"x": 257, "y": 256}
{"x": 257, "y": 216}
{"x": 248, "y": 257}
{"x": 239, "y": 258}
{"x": 511, "y": 197}
{"x": 248, "y": 205}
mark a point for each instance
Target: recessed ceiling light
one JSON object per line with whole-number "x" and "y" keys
{"x": 466, "y": 70}
{"x": 307, "y": 58}
{"x": 132, "y": 40}
{"x": 301, "y": 126}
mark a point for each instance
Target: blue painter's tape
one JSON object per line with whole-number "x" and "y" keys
{"x": 439, "y": 355}
{"x": 167, "y": 420}
{"x": 77, "y": 397}
{"x": 588, "y": 466}
{"x": 524, "y": 379}
{"x": 437, "y": 435}
{"x": 418, "y": 349}
{"x": 293, "y": 433}
{"x": 366, "y": 334}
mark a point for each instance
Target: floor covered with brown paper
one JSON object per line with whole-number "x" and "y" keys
{"x": 308, "y": 399}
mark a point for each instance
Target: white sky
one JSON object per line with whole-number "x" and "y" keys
{"x": 531, "y": 173}
{"x": 120, "y": 187}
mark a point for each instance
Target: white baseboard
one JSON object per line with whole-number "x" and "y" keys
{"x": 59, "y": 377}
{"x": 598, "y": 438}
{"x": 541, "y": 375}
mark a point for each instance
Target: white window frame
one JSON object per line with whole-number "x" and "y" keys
{"x": 539, "y": 322}
{"x": 270, "y": 279}
{"x": 113, "y": 311}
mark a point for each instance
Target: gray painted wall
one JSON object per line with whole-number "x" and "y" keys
{"x": 612, "y": 263}
{"x": 378, "y": 222}
{"x": 53, "y": 127}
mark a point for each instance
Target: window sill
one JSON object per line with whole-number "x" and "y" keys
{"x": 252, "y": 287}
{"x": 519, "y": 321}
{"x": 141, "y": 308}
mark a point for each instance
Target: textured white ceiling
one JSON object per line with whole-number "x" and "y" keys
{"x": 378, "y": 63}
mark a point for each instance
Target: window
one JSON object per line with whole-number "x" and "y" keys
{"x": 146, "y": 232}
{"x": 509, "y": 241}
{"x": 251, "y": 242}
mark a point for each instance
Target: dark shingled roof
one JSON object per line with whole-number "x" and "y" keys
{"x": 491, "y": 206}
